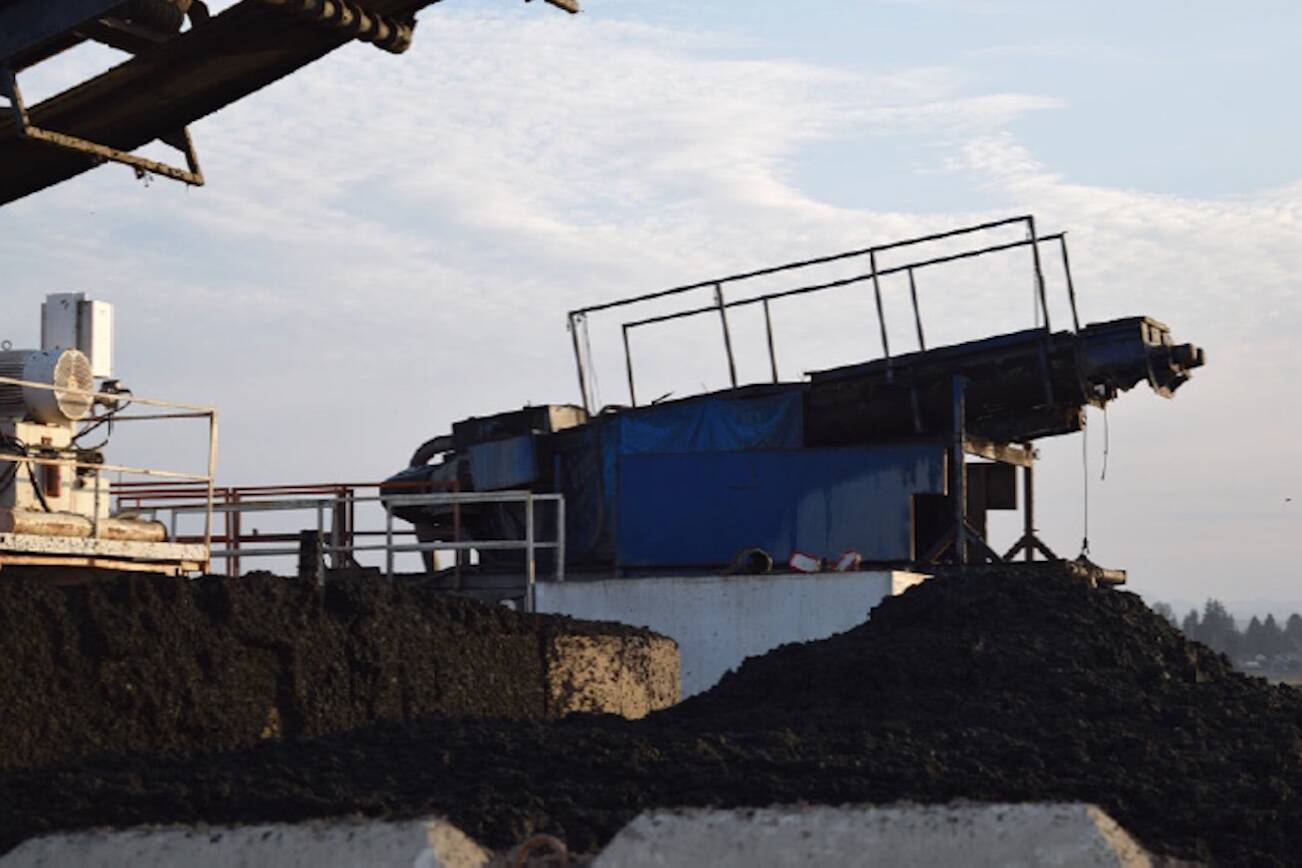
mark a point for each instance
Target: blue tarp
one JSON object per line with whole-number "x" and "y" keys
{"x": 588, "y": 464}
{"x": 714, "y": 424}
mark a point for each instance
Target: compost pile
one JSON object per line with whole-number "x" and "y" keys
{"x": 1009, "y": 686}
{"x": 141, "y": 663}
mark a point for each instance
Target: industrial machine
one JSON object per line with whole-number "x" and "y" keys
{"x": 894, "y": 461}
{"x": 173, "y": 78}
{"x": 58, "y": 406}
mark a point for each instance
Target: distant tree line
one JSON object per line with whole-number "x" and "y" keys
{"x": 1216, "y": 628}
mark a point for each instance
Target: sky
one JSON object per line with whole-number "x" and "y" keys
{"x": 388, "y": 244}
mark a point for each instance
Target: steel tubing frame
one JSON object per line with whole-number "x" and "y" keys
{"x": 578, "y": 317}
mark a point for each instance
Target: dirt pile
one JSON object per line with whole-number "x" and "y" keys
{"x": 140, "y": 663}
{"x": 1009, "y": 687}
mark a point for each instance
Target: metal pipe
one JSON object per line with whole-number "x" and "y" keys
{"x": 388, "y": 545}
{"x": 531, "y": 565}
{"x": 212, "y": 472}
{"x": 768, "y": 331}
{"x": 727, "y": 336}
{"x": 578, "y": 360}
{"x": 112, "y": 468}
{"x": 790, "y": 266}
{"x": 917, "y": 313}
{"x": 560, "y": 540}
{"x": 1071, "y": 288}
{"x": 628, "y": 366}
{"x": 881, "y": 315}
{"x": 817, "y": 287}
{"x": 1028, "y": 491}
{"x": 958, "y": 476}
{"x": 1039, "y": 271}
{"x": 108, "y": 396}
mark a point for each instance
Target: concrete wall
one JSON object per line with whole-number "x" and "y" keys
{"x": 719, "y": 621}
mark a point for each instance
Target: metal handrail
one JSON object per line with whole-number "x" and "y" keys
{"x": 204, "y": 481}
{"x": 577, "y": 319}
{"x": 390, "y": 547}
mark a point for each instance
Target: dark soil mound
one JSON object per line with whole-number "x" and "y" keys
{"x": 1002, "y": 687}
{"x": 140, "y": 663}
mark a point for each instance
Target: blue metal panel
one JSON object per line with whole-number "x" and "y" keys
{"x": 499, "y": 464}
{"x": 700, "y": 509}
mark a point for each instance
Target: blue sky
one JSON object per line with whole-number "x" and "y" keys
{"x": 389, "y": 244}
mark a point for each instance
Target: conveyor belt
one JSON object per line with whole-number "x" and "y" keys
{"x": 159, "y": 92}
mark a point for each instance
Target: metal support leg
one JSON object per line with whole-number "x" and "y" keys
{"x": 958, "y": 476}
{"x": 1029, "y": 544}
{"x": 531, "y": 567}
{"x": 1028, "y": 490}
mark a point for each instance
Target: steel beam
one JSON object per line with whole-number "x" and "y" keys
{"x": 234, "y": 54}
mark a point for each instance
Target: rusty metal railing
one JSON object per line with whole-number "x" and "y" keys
{"x": 340, "y": 538}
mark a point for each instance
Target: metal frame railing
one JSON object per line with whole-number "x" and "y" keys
{"x": 229, "y": 531}
{"x": 344, "y": 543}
{"x": 167, "y": 410}
{"x": 578, "y": 319}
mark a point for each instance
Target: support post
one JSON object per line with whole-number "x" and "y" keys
{"x": 1039, "y": 272}
{"x": 531, "y": 564}
{"x": 1028, "y": 492}
{"x": 881, "y": 312}
{"x": 917, "y": 314}
{"x": 1071, "y": 287}
{"x": 628, "y": 366}
{"x": 768, "y": 330}
{"x": 958, "y": 476}
{"x": 727, "y": 335}
{"x": 560, "y": 539}
{"x": 574, "y": 320}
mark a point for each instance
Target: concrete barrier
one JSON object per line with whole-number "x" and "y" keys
{"x": 323, "y": 844}
{"x": 719, "y": 621}
{"x": 1060, "y": 835}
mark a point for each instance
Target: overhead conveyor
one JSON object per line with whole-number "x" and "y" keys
{"x": 174, "y": 77}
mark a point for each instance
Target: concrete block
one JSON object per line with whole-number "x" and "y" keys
{"x": 904, "y": 836}
{"x": 324, "y": 844}
{"x": 719, "y": 621}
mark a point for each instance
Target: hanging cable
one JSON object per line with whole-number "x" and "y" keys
{"x": 103, "y": 419}
{"x": 1107, "y": 443}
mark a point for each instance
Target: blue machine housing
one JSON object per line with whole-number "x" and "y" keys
{"x": 691, "y": 483}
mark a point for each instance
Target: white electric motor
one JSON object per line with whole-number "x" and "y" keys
{"x": 69, "y": 371}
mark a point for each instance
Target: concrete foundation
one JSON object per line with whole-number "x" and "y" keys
{"x": 719, "y": 621}
{"x": 999, "y": 836}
